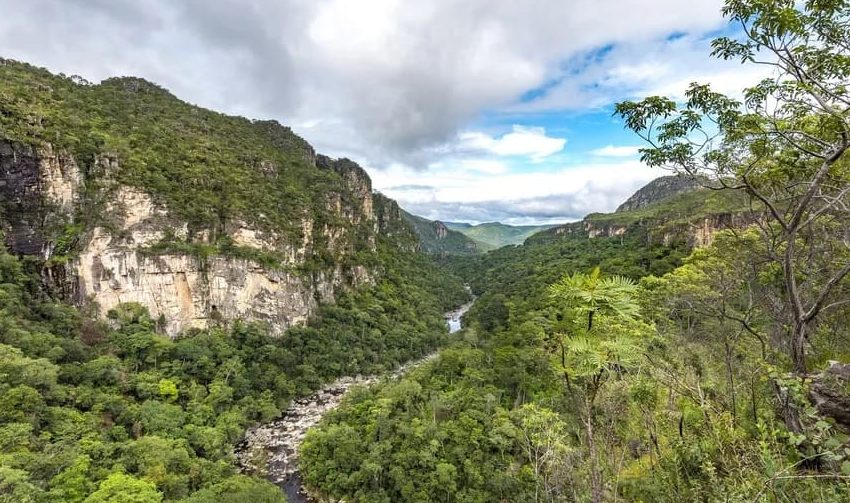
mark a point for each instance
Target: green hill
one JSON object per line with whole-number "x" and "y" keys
{"x": 494, "y": 235}
{"x": 437, "y": 238}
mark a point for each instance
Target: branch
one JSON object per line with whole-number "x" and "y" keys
{"x": 817, "y": 306}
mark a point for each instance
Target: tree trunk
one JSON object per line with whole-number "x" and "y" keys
{"x": 731, "y": 378}
{"x": 595, "y": 474}
{"x": 798, "y": 348}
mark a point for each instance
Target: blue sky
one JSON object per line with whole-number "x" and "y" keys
{"x": 472, "y": 110}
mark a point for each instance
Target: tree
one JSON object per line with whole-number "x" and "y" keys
{"x": 785, "y": 146}
{"x": 122, "y": 488}
{"x": 541, "y": 437}
{"x": 602, "y": 342}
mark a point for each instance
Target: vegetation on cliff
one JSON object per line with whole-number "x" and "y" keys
{"x": 438, "y": 239}
{"x": 113, "y": 410}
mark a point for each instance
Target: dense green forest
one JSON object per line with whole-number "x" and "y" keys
{"x": 101, "y": 408}
{"x": 645, "y": 355}
{"x": 113, "y": 411}
{"x": 633, "y": 368}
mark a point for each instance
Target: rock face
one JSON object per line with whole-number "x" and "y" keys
{"x": 440, "y": 229}
{"x": 830, "y": 393}
{"x": 669, "y": 210}
{"x": 116, "y": 261}
{"x": 38, "y": 189}
{"x": 658, "y": 190}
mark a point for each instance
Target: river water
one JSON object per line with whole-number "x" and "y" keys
{"x": 272, "y": 449}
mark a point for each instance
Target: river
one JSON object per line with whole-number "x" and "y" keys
{"x": 272, "y": 449}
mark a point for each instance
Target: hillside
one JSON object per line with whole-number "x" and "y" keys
{"x": 661, "y": 188}
{"x": 494, "y": 235}
{"x": 665, "y": 210}
{"x": 171, "y": 276}
{"x": 131, "y": 195}
{"x": 438, "y": 238}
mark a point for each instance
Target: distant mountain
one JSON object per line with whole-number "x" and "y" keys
{"x": 438, "y": 238}
{"x": 667, "y": 209}
{"x": 494, "y": 235}
{"x": 658, "y": 190}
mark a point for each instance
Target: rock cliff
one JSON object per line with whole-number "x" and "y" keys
{"x": 126, "y": 256}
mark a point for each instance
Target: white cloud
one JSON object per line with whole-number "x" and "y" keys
{"x": 449, "y": 191}
{"x": 379, "y": 80}
{"x": 616, "y": 151}
{"x": 521, "y": 141}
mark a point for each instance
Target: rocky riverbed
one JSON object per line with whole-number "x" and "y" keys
{"x": 271, "y": 449}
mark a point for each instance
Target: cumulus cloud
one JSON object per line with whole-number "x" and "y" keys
{"x": 394, "y": 75}
{"x": 521, "y": 141}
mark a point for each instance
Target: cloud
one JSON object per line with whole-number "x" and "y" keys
{"x": 616, "y": 151}
{"x": 555, "y": 195}
{"x": 428, "y": 86}
{"x": 522, "y": 141}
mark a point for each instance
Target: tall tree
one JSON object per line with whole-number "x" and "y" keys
{"x": 785, "y": 145}
{"x": 602, "y": 342}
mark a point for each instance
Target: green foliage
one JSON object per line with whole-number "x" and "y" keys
{"x": 121, "y": 488}
{"x": 436, "y": 238}
{"x": 130, "y": 415}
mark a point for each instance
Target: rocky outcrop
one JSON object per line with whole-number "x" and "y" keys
{"x": 658, "y": 190}
{"x": 699, "y": 232}
{"x": 125, "y": 255}
{"x": 440, "y": 229}
{"x": 38, "y": 189}
{"x": 830, "y": 394}
{"x": 670, "y": 210}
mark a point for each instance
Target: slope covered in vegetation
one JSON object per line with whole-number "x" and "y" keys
{"x": 496, "y": 235}
{"x": 438, "y": 239}
{"x": 613, "y": 360}
{"x": 108, "y": 407}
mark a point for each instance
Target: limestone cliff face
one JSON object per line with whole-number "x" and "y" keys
{"x": 669, "y": 210}
{"x": 38, "y": 191}
{"x": 116, "y": 261}
{"x": 698, "y": 232}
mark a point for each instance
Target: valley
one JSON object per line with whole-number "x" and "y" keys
{"x": 271, "y": 450}
{"x": 201, "y": 307}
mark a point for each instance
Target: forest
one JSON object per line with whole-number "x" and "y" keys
{"x": 631, "y": 368}
{"x": 114, "y": 411}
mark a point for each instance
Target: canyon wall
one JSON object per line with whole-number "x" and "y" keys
{"x": 123, "y": 255}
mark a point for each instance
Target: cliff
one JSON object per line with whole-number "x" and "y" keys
{"x": 127, "y": 194}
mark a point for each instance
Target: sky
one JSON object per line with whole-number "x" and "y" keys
{"x": 462, "y": 110}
